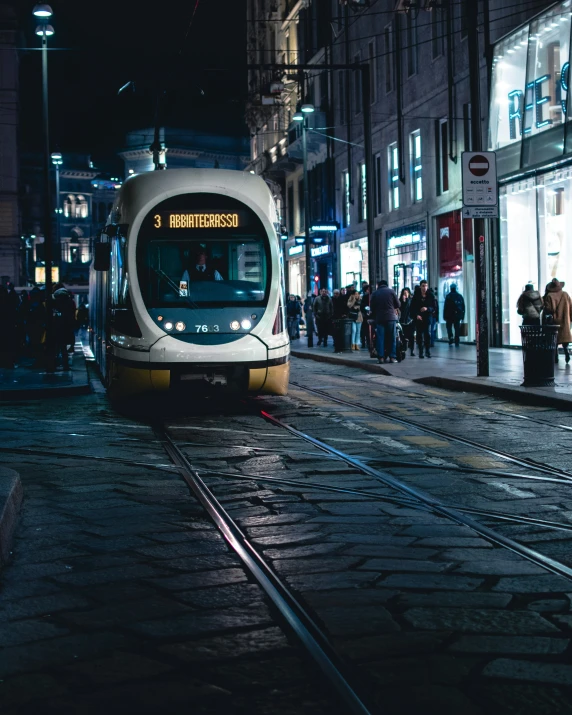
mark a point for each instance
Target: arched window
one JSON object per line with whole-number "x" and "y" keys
{"x": 81, "y": 207}
{"x": 69, "y": 206}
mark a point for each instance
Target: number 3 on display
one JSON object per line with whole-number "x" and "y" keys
{"x": 157, "y": 218}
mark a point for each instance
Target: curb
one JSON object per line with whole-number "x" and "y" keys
{"x": 11, "y": 495}
{"x": 512, "y": 394}
{"x": 320, "y": 357}
{"x": 45, "y": 392}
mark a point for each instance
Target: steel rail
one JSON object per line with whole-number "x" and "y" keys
{"x": 96, "y": 458}
{"x": 307, "y": 631}
{"x": 438, "y": 507}
{"x": 410, "y": 503}
{"x": 440, "y": 433}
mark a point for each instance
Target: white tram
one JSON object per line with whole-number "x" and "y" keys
{"x": 187, "y": 285}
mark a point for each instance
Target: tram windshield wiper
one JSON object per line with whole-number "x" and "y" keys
{"x": 171, "y": 283}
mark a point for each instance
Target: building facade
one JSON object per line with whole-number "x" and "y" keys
{"x": 10, "y": 242}
{"x": 417, "y": 51}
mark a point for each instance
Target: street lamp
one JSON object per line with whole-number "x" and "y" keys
{"x": 42, "y": 11}
{"x": 57, "y": 161}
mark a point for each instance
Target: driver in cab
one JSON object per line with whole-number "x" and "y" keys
{"x": 201, "y": 270}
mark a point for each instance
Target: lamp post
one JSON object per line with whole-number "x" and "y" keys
{"x": 43, "y": 12}
{"x": 57, "y": 161}
{"x": 302, "y": 117}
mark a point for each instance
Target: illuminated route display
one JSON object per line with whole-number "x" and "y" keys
{"x": 199, "y": 219}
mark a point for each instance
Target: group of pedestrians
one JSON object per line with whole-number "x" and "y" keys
{"x": 23, "y": 319}
{"x": 555, "y": 308}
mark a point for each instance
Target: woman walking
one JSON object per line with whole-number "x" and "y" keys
{"x": 405, "y": 318}
{"x": 558, "y": 304}
{"x": 354, "y": 313}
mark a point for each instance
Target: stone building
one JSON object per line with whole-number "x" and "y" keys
{"x": 417, "y": 51}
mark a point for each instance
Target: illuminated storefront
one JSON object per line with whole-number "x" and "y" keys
{"x": 406, "y": 257}
{"x": 354, "y": 267}
{"x": 531, "y": 132}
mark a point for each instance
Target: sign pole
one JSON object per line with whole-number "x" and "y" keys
{"x": 479, "y": 243}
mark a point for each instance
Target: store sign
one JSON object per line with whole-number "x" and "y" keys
{"x": 480, "y": 185}
{"x": 295, "y": 250}
{"x": 404, "y": 240}
{"x": 319, "y": 251}
{"x": 527, "y": 107}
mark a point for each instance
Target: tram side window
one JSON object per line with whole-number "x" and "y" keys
{"x": 119, "y": 283}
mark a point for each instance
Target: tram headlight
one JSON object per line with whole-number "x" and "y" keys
{"x": 180, "y": 326}
{"x": 246, "y": 325}
{"x": 235, "y": 325}
{"x": 168, "y": 325}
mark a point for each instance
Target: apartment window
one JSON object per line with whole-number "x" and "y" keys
{"x": 346, "y": 195}
{"x": 357, "y": 86}
{"x": 411, "y": 44}
{"x": 393, "y": 175}
{"x": 416, "y": 167}
{"x": 389, "y": 59}
{"x": 377, "y": 164}
{"x": 362, "y": 192}
{"x": 301, "y": 216}
{"x": 291, "y": 229}
{"x": 342, "y": 96}
{"x": 437, "y": 32}
{"x": 372, "y": 72}
{"x": 442, "y": 163}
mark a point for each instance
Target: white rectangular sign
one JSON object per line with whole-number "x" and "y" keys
{"x": 480, "y": 211}
{"x": 480, "y": 185}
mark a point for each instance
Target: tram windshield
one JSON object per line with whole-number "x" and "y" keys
{"x": 202, "y": 258}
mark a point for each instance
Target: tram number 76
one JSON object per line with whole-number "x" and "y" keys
{"x": 207, "y": 328}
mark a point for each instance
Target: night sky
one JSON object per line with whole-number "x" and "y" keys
{"x": 144, "y": 42}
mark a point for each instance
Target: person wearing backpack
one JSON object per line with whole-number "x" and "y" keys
{"x": 454, "y": 313}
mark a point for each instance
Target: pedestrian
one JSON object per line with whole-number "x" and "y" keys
{"x": 405, "y": 318}
{"x": 454, "y": 313}
{"x": 364, "y": 307}
{"x": 323, "y": 312}
{"x": 423, "y": 306}
{"x": 293, "y": 313}
{"x": 63, "y": 325}
{"x": 36, "y": 322}
{"x": 529, "y": 305}
{"x": 309, "y": 318}
{"x": 354, "y": 314}
{"x": 340, "y": 305}
{"x": 558, "y": 304}
{"x": 434, "y": 318}
{"x": 384, "y": 306}
{"x": 301, "y": 304}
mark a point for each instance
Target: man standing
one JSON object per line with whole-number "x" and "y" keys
{"x": 323, "y": 311}
{"x": 384, "y": 306}
{"x": 454, "y": 313}
{"x": 423, "y": 306}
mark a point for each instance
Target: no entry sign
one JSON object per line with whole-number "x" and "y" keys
{"x": 480, "y": 187}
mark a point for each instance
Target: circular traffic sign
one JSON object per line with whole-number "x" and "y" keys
{"x": 479, "y": 165}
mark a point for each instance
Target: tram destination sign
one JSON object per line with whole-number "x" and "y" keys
{"x": 199, "y": 219}
{"x": 480, "y": 185}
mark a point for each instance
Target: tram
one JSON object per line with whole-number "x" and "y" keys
{"x": 186, "y": 287}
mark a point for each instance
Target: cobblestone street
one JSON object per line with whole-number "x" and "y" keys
{"x": 392, "y": 528}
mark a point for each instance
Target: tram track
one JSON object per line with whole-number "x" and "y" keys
{"x": 491, "y": 451}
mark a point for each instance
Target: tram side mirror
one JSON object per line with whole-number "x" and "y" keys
{"x": 102, "y": 260}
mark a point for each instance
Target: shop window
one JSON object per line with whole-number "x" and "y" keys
{"x": 415, "y": 166}
{"x": 357, "y": 85}
{"x": 389, "y": 59}
{"x": 393, "y": 176}
{"x": 406, "y": 257}
{"x": 347, "y": 198}
{"x": 377, "y": 164}
{"x": 354, "y": 258}
{"x": 411, "y": 35}
{"x": 362, "y": 192}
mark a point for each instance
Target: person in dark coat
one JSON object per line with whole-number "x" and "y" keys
{"x": 454, "y": 313}
{"x": 405, "y": 318}
{"x": 309, "y": 318}
{"x": 63, "y": 324}
{"x": 293, "y": 315}
{"x": 323, "y": 312}
{"x": 529, "y": 305}
{"x": 384, "y": 306}
{"x": 423, "y": 306}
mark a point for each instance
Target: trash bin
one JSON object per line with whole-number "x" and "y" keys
{"x": 343, "y": 335}
{"x": 539, "y": 344}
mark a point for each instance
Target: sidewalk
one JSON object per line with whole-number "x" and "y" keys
{"x": 456, "y": 369}
{"x": 28, "y": 381}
